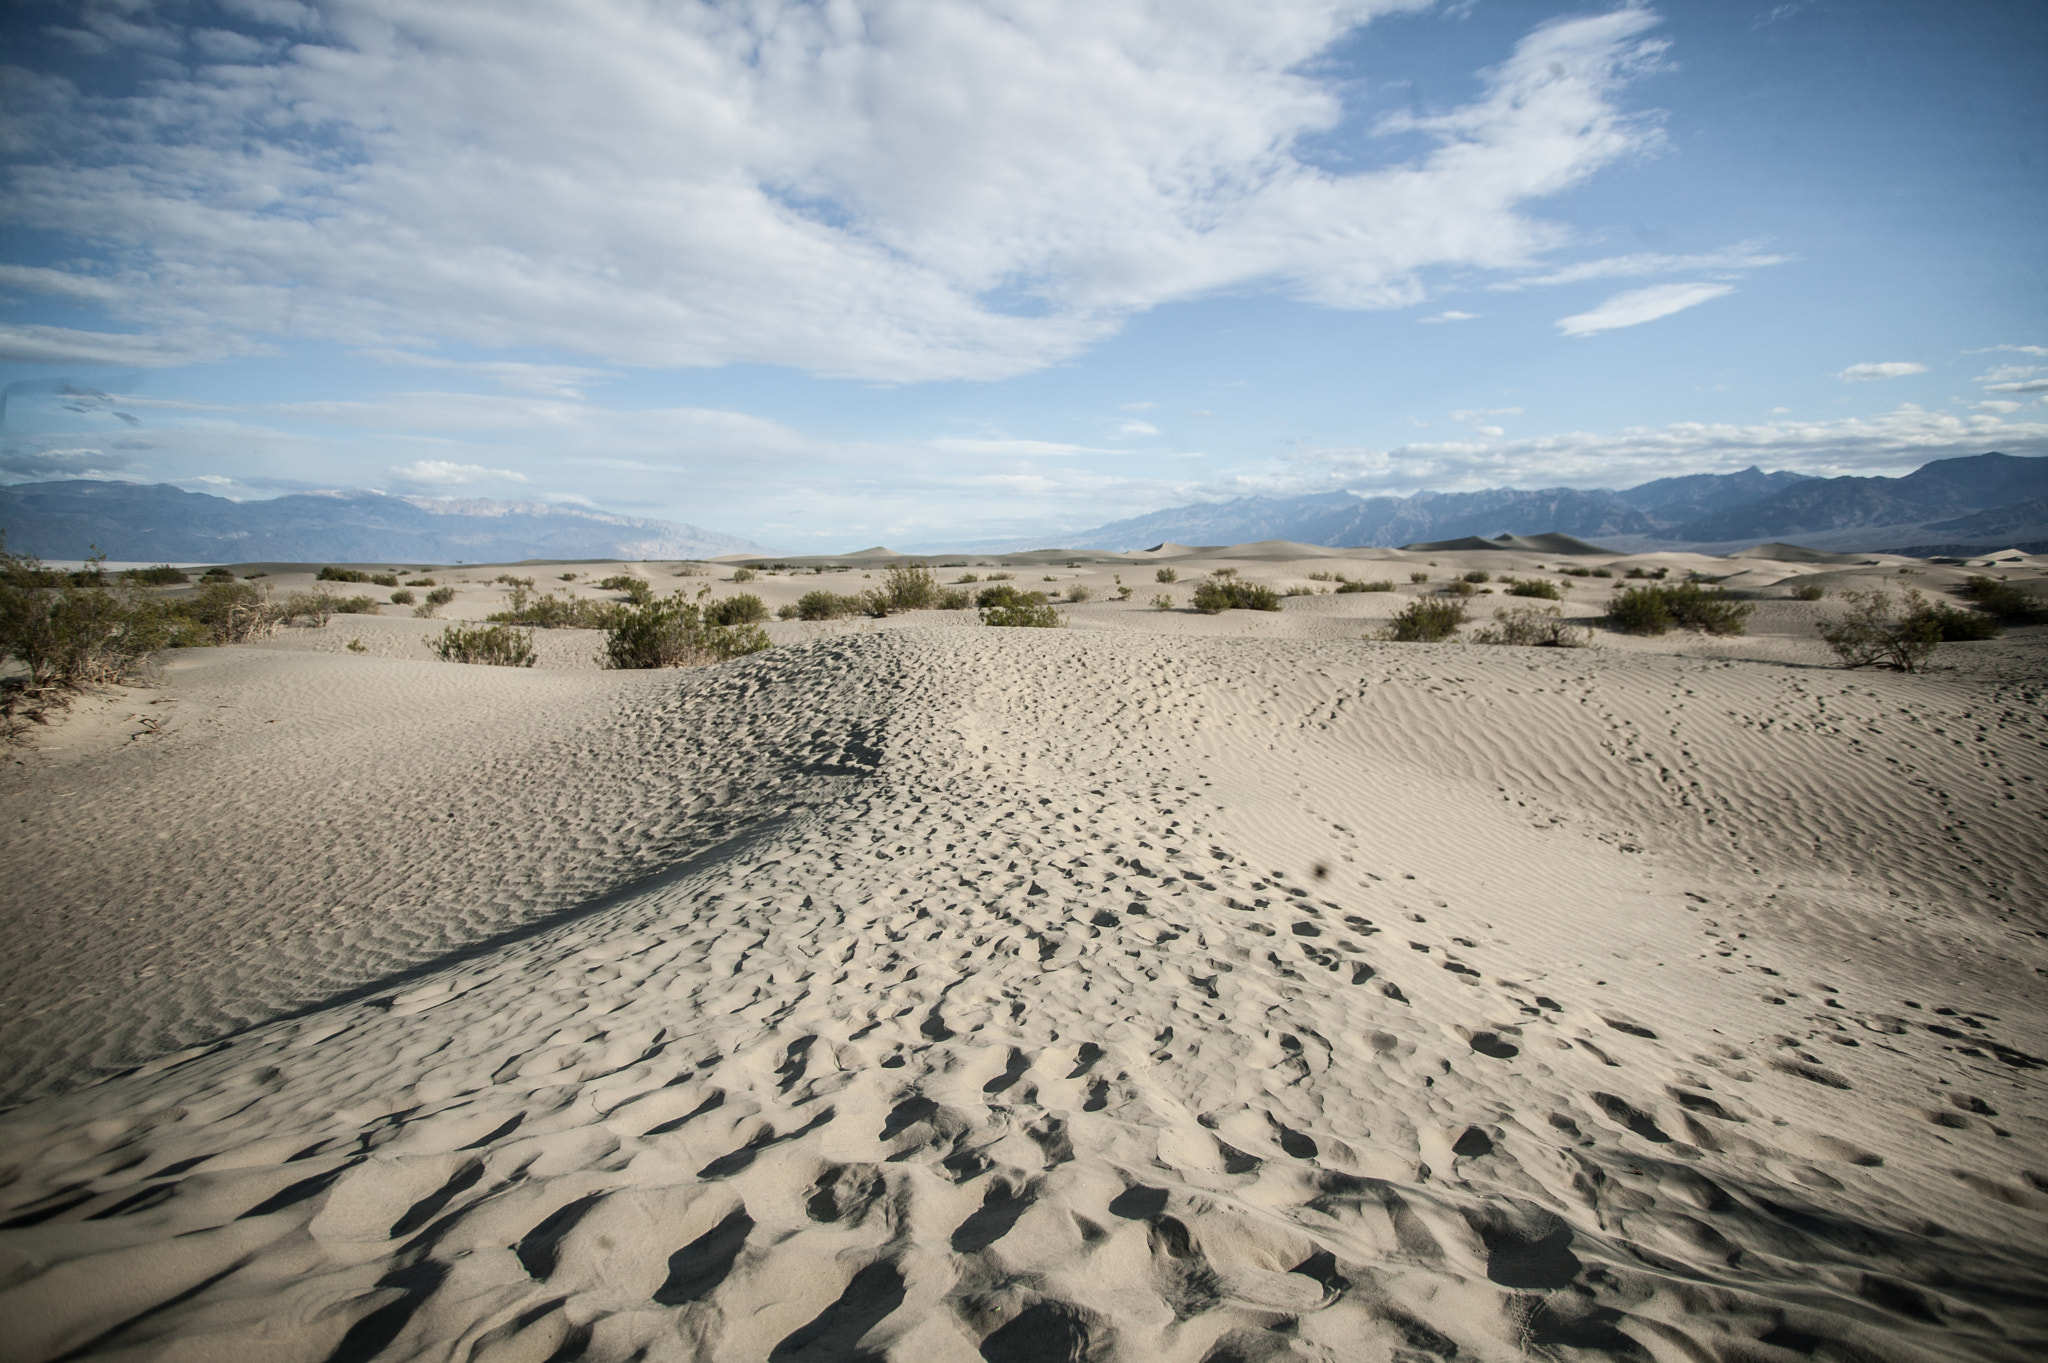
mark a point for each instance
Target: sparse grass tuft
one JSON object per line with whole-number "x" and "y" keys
{"x": 491, "y": 645}
{"x": 1425, "y": 621}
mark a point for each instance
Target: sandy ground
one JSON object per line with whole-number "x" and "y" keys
{"x": 1167, "y": 987}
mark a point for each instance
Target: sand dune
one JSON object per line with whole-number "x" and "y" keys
{"x": 1168, "y": 987}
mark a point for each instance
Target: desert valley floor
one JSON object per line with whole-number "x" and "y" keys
{"x": 1166, "y": 987}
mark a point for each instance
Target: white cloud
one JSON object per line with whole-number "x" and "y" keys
{"x": 543, "y": 380}
{"x": 1738, "y": 258}
{"x": 63, "y": 345}
{"x": 2022, "y": 386}
{"x": 843, "y": 189}
{"x": 1641, "y": 305}
{"x": 1136, "y": 428}
{"x": 1998, "y": 406}
{"x": 1888, "y": 369}
{"x": 443, "y": 473}
{"x": 1452, "y": 315}
{"x": 57, "y": 283}
{"x": 2022, "y": 349}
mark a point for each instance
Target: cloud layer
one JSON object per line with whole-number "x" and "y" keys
{"x": 886, "y": 189}
{"x": 1637, "y": 306}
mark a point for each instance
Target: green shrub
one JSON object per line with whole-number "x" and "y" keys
{"x": 1383, "y": 585}
{"x": 1008, "y": 608}
{"x": 71, "y": 629}
{"x": 402, "y": 597}
{"x": 1478, "y": 575}
{"x": 1537, "y": 587}
{"x": 1425, "y": 621}
{"x": 1459, "y": 588}
{"x": 549, "y": 611}
{"x": 1963, "y": 627}
{"x": 436, "y": 599}
{"x": 1298, "y": 590}
{"x": 1167, "y": 575}
{"x": 671, "y": 631}
{"x": 822, "y": 605}
{"x": 217, "y": 575}
{"x": 492, "y": 645}
{"x": 1650, "y": 574}
{"x": 1214, "y": 596}
{"x": 1223, "y": 572}
{"x": 2005, "y": 602}
{"x": 1325, "y": 577}
{"x": 384, "y": 579}
{"x": 968, "y": 577}
{"x": 1876, "y": 633}
{"x": 1418, "y": 577}
{"x": 1123, "y": 593}
{"x": 340, "y": 575}
{"x": 1808, "y": 591}
{"x": 163, "y": 575}
{"x": 226, "y": 612}
{"x": 1532, "y": 627}
{"x": 1653, "y": 610}
{"x": 421, "y": 582}
{"x": 1603, "y": 572}
{"x": 513, "y": 582}
{"x": 910, "y": 587}
{"x": 314, "y": 608}
{"x": 1000, "y": 577}
{"x": 1162, "y": 602}
{"x": 954, "y": 599}
{"x": 744, "y": 574}
{"x": 356, "y": 605}
{"x": 743, "y": 609}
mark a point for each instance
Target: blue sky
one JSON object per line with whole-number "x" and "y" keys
{"x": 917, "y": 271}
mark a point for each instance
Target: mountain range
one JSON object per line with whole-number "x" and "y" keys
{"x": 1985, "y": 501}
{"x": 159, "y": 523}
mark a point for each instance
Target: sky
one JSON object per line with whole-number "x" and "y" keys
{"x": 919, "y": 272}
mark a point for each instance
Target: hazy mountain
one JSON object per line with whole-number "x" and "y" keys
{"x": 1709, "y": 509}
{"x": 161, "y": 523}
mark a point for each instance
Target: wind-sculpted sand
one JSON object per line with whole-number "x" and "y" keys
{"x": 948, "y": 994}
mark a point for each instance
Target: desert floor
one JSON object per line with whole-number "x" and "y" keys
{"x": 1168, "y": 987}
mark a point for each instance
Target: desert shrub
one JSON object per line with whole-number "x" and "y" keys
{"x": 513, "y": 582}
{"x": 1048, "y": 578}
{"x": 1167, "y": 575}
{"x": 548, "y": 611}
{"x": 1537, "y": 587}
{"x": 1532, "y": 627}
{"x": 1876, "y": 633}
{"x": 1000, "y": 577}
{"x": 968, "y": 577}
{"x": 693, "y": 570}
{"x": 822, "y": 605}
{"x": 1162, "y": 602}
{"x": 356, "y": 646}
{"x": 1214, "y": 596}
{"x": 340, "y": 575}
{"x": 420, "y": 582}
{"x": 1123, "y": 593}
{"x": 163, "y": 575}
{"x": 356, "y": 605}
{"x": 1383, "y": 585}
{"x": 1653, "y": 610}
{"x": 1460, "y": 587}
{"x": 1078, "y": 593}
{"x": 225, "y": 612}
{"x": 910, "y": 587}
{"x": 744, "y": 574}
{"x": 492, "y": 645}
{"x": 1325, "y": 577}
{"x": 671, "y": 631}
{"x": 618, "y": 582}
{"x": 403, "y": 597}
{"x": 1223, "y": 572}
{"x": 566, "y": 577}
{"x": 384, "y": 579}
{"x": 1808, "y": 591}
{"x": 436, "y": 599}
{"x": 1651, "y": 574}
{"x": 1008, "y": 608}
{"x": 1299, "y": 590}
{"x": 314, "y": 608}
{"x": 71, "y": 630}
{"x": 954, "y": 599}
{"x": 217, "y": 575}
{"x": 1478, "y": 575}
{"x": 2005, "y": 602}
{"x": 1603, "y": 572}
{"x": 744, "y": 609}
{"x": 1425, "y": 622}
{"x": 1418, "y": 577}
{"x": 1962, "y": 627}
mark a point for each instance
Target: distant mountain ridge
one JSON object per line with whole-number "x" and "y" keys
{"x": 1972, "y": 501}
{"x": 133, "y": 522}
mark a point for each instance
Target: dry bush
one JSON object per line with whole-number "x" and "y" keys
{"x": 1425, "y": 622}
{"x": 73, "y": 630}
{"x": 403, "y": 597}
{"x": 1418, "y": 577}
{"x": 671, "y": 631}
{"x": 1078, "y": 593}
{"x": 340, "y": 575}
{"x": 1478, "y": 575}
{"x": 1538, "y": 587}
{"x": 910, "y": 587}
{"x": 1345, "y": 587}
{"x": 1808, "y": 591}
{"x": 1532, "y": 627}
{"x": 1213, "y": 597}
{"x": 744, "y": 574}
